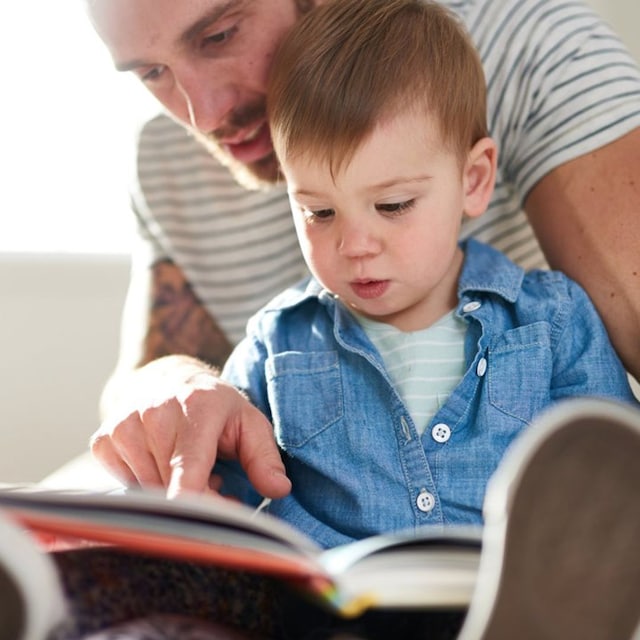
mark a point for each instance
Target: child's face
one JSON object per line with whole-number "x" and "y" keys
{"x": 383, "y": 236}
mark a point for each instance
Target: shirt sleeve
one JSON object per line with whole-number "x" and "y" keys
{"x": 560, "y": 84}
{"x": 149, "y": 182}
{"x": 245, "y": 370}
{"x": 584, "y": 361}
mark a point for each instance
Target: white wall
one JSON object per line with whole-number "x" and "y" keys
{"x": 624, "y": 17}
{"x": 59, "y": 326}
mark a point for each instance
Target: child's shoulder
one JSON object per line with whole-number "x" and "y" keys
{"x": 292, "y": 309}
{"x": 487, "y": 262}
{"x": 305, "y": 289}
{"x": 553, "y": 283}
{"x": 544, "y": 292}
{"x": 552, "y": 296}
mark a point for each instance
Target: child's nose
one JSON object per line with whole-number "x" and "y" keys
{"x": 356, "y": 241}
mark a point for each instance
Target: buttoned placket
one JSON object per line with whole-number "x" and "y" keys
{"x": 442, "y": 430}
{"x": 420, "y": 482}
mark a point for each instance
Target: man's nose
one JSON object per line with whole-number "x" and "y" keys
{"x": 207, "y": 102}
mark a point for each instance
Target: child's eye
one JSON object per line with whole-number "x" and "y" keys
{"x": 320, "y": 214}
{"x": 396, "y": 207}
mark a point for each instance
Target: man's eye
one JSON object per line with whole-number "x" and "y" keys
{"x": 219, "y": 38}
{"x": 152, "y": 74}
{"x": 396, "y": 207}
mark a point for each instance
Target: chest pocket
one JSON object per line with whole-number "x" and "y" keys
{"x": 305, "y": 394}
{"x": 519, "y": 371}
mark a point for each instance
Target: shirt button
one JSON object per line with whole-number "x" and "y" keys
{"x": 425, "y": 501}
{"x": 481, "y": 369}
{"x": 471, "y": 306}
{"x": 441, "y": 432}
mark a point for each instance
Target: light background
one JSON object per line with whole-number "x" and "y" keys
{"x": 66, "y": 126}
{"x": 67, "y": 122}
{"x": 66, "y": 129}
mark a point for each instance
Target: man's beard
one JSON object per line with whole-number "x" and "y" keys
{"x": 256, "y": 176}
{"x": 264, "y": 173}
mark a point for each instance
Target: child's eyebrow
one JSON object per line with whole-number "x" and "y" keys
{"x": 400, "y": 180}
{"x": 304, "y": 192}
{"x": 378, "y": 186}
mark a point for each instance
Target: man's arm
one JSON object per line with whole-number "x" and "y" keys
{"x": 178, "y": 321}
{"x": 163, "y": 316}
{"x": 586, "y": 214}
{"x": 166, "y": 415}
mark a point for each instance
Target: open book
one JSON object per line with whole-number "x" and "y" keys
{"x": 430, "y": 568}
{"x": 31, "y": 600}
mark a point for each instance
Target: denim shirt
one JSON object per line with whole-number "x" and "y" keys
{"x": 356, "y": 462}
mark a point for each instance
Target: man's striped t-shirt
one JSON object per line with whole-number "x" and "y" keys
{"x": 559, "y": 82}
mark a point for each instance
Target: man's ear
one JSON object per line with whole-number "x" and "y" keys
{"x": 479, "y": 176}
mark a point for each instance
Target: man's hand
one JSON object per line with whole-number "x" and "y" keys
{"x": 174, "y": 419}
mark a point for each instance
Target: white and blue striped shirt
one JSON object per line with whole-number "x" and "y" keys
{"x": 560, "y": 84}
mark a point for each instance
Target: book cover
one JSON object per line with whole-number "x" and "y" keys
{"x": 424, "y": 568}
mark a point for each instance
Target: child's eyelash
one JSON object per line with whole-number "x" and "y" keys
{"x": 396, "y": 207}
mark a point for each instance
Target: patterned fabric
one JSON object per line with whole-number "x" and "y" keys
{"x": 117, "y": 596}
{"x": 425, "y": 366}
{"x": 163, "y": 627}
{"x": 106, "y": 588}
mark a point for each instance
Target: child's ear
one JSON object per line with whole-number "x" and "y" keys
{"x": 479, "y": 176}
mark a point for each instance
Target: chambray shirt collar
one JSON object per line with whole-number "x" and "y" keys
{"x": 489, "y": 272}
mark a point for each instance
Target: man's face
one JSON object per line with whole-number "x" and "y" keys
{"x": 207, "y": 63}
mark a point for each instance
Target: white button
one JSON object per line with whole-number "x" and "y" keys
{"x": 441, "y": 432}
{"x": 425, "y": 501}
{"x": 471, "y": 306}
{"x": 481, "y": 369}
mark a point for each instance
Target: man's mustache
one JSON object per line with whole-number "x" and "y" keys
{"x": 239, "y": 119}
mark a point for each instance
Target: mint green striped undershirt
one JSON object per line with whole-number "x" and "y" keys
{"x": 424, "y": 365}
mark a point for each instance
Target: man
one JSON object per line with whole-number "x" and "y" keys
{"x": 564, "y": 104}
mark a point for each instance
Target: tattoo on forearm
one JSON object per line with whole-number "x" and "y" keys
{"x": 179, "y": 323}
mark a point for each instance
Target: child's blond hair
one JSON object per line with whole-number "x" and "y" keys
{"x": 350, "y": 63}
